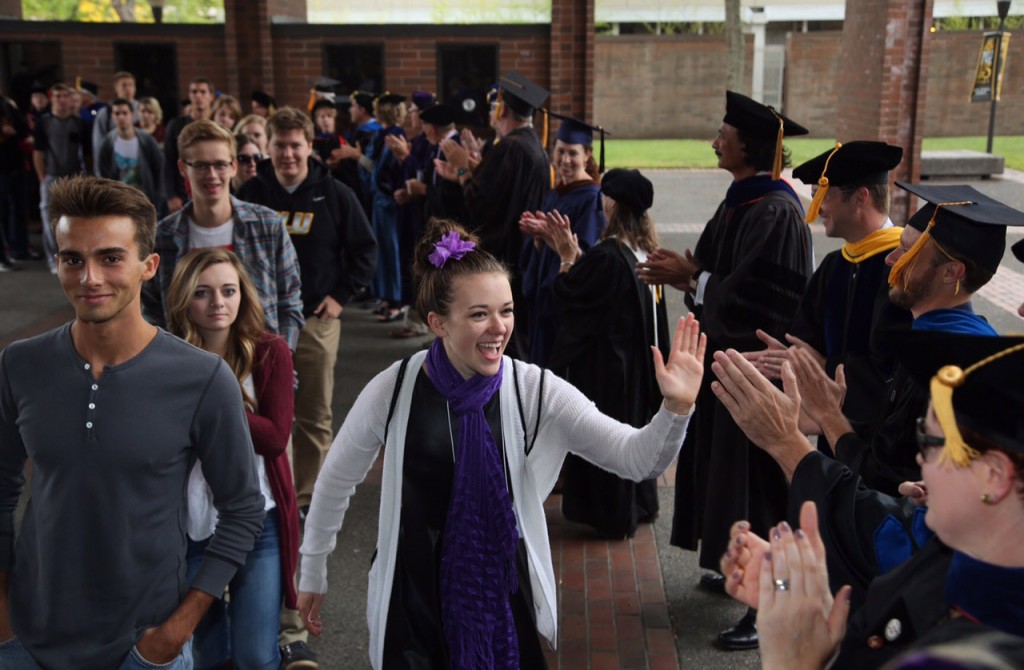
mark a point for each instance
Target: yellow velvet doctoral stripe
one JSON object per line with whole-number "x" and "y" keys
{"x": 885, "y": 239}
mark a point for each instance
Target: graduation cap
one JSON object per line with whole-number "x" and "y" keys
{"x": 325, "y": 84}
{"x": 630, "y": 188}
{"x": 363, "y": 99}
{"x": 960, "y": 220}
{"x": 263, "y": 98}
{"x": 760, "y": 121}
{"x": 322, "y": 103}
{"x": 422, "y": 99}
{"x": 520, "y": 94}
{"x": 574, "y": 131}
{"x": 438, "y": 114}
{"x": 974, "y": 382}
{"x": 87, "y": 86}
{"x": 389, "y": 98}
{"x": 857, "y": 162}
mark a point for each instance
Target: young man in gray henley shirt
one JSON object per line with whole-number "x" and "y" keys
{"x": 113, "y": 412}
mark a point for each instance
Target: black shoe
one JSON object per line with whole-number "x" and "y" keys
{"x": 297, "y": 656}
{"x": 742, "y": 636}
{"x": 712, "y": 581}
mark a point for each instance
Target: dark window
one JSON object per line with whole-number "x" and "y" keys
{"x": 155, "y": 67}
{"x": 25, "y": 64}
{"x": 464, "y": 73}
{"x": 359, "y": 67}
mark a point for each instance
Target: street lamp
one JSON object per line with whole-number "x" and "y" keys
{"x": 158, "y": 10}
{"x": 1003, "y": 7}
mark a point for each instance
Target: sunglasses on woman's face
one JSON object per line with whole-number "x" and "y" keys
{"x": 249, "y": 158}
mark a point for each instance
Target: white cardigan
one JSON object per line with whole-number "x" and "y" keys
{"x": 569, "y": 423}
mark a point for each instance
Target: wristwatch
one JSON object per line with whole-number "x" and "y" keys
{"x": 694, "y": 281}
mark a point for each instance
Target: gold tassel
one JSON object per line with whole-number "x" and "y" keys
{"x": 544, "y": 132}
{"x": 78, "y": 83}
{"x": 499, "y": 106}
{"x": 899, "y": 268}
{"x": 819, "y": 196}
{"x": 777, "y": 164}
{"x": 311, "y": 101}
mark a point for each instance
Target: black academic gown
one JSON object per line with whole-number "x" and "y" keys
{"x": 580, "y": 202}
{"x": 444, "y": 198}
{"x": 609, "y": 320}
{"x": 845, "y": 315}
{"x": 758, "y": 251}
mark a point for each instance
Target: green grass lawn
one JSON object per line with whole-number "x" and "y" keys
{"x": 698, "y": 154}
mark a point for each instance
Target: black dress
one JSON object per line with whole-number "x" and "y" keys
{"x": 609, "y": 322}
{"x": 414, "y": 638}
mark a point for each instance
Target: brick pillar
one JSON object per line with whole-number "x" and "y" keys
{"x": 249, "y": 45}
{"x": 572, "y": 58}
{"x": 882, "y": 79}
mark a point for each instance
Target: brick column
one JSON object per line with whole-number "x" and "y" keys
{"x": 572, "y": 58}
{"x": 10, "y": 9}
{"x": 248, "y": 43}
{"x": 882, "y": 77}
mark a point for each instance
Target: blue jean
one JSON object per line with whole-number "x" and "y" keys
{"x": 244, "y": 629}
{"x": 13, "y": 656}
{"x": 49, "y": 240}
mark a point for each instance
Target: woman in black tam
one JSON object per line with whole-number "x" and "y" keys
{"x": 462, "y": 577}
{"x": 610, "y": 320}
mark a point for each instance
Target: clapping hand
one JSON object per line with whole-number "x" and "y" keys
{"x": 679, "y": 378}
{"x": 535, "y": 225}
{"x": 666, "y": 267}
{"x": 561, "y": 238}
{"x": 456, "y": 154}
{"x": 799, "y": 623}
{"x": 398, "y": 145}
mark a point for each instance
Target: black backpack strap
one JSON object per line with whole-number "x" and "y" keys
{"x": 519, "y": 404}
{"x": 394, "y": 396}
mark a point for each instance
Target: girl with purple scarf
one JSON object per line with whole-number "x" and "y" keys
{"x": 462, "y": 577}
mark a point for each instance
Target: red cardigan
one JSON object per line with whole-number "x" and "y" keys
{"x": 275, "y": 399}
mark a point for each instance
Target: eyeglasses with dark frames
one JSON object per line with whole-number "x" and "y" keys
{"x": 926, "y": 442}
{"x": 220, "y": 167}
{"x": 245, "y": 159}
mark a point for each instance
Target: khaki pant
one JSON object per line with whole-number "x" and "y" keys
{"x": 315, "y": 356}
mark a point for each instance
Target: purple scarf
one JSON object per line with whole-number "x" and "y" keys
{"x": 478, "y": 560}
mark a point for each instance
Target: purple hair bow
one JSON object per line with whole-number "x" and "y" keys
{"x": 450, "y": 246}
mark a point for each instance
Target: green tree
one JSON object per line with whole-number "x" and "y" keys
{"x": 175, "y": 11}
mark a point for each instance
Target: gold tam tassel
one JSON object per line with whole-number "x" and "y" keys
{"x": 311, "y": 101}
{"x": 900, "y": 269}
{"x": 777, "y": 163}
{"x": 544, "y": 131}
{"x": 819, "y": 196}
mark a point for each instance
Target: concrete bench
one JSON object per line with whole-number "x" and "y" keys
{"x": 960, "y": 163}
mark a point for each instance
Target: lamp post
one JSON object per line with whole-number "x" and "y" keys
{"x": 158, "y": 10}
{"x": 1003, "y": 7}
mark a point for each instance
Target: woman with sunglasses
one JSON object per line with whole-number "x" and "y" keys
{"x": 248, "y": 156}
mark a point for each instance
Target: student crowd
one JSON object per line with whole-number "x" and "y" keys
{"x": 193, "y": 473}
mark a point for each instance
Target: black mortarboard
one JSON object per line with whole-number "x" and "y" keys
{"x": 629, "y": 188}
{"x": 39, "y": 88}
{"x": 962, "y": 221}
{"x": 438, "y": 114}
{"x": 1018, "y": 250}
{"x": 857, "y": 162}
{"x": 574, "y": 131}
{"x": 263, "y": 98}
{"x": 422, "y": 99}
{"x": 322, "y": 103}
{"x": 760, "y": 121}
{"x": 363, "y": 99}
{"x": 976, "y": 376}
{"x": 757, "y": 120}
{"x": 88, "y": 86}
{"x": 520, "y": 94}
{"x": 388, "y": 98}
{"x": 325, "y": 84}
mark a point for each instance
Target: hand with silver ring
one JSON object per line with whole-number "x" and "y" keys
{"x": 805, "y": 628}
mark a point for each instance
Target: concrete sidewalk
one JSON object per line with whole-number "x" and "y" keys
{"x": 627, "y": 604}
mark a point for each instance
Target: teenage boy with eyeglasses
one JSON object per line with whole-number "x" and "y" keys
{"x": 214, "y": 218}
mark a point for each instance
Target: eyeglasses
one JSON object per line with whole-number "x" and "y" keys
{"x": 245, "y": 159}
{"x": 926, "y": 442}
{"x": 220, "y": 167}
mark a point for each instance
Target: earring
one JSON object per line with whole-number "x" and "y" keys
{"x": 957, "y": 291}
{"x": 986, "y": 499}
